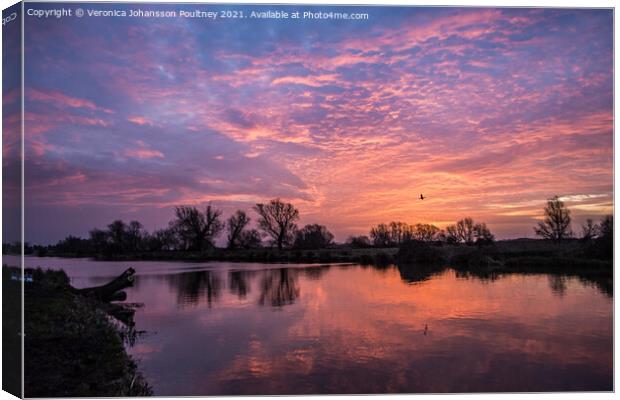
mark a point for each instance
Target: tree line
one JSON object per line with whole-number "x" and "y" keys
{"x": 192, "y": 229}
{"x": 556, "y": 224}
{"x": 395, "y": 233}
{"x": 196, "y": 230}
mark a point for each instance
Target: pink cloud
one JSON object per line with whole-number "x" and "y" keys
{"x": 60, "y": 99}
{"x": 143, "y": 152}
{"x": 139, "y": 120}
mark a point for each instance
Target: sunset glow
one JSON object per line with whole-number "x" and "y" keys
{"x": 487, "y": 112}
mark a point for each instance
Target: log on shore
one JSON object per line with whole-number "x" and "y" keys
{"x": 111, "y": 291}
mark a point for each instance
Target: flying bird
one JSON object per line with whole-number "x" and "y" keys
{"x": 421, "y": 197}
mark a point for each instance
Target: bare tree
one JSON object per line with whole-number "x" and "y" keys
{"x": 425, "y": 232}
{"x": 400, "y": 232}
{"x": 250, "y": 239}
{"x": 117, "y": 232}
{"x": 606, "y": 227}
{"x": 556, "y": 225}
{"x": 235, "y": 225}
{"x": 361, "y": 241}
{"x": 313, "y": 237}
{"x": 465, "y": 230}
{"x": 99, "y": 240}
{"x": 135, "y": 236}
{"x": 451, "y": 235}
{"x": 197, "y": 230}
{"x": 163, "y": 239}
{"x": 468, "y": 232}
{"x": 483, "y": 234}
{"x": 380, "y": 235}
{"x": 277, "y": 219}
{"x": 589, "y": 230}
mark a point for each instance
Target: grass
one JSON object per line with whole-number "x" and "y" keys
{"x": 72, "y": 347}
{"x": 11, "y": 332}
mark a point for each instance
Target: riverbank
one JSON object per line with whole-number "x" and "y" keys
{"x": 508, "y": 255}
{"x": 73, "y": 348}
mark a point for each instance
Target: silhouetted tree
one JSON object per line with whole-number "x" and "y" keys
{"x": 313, "y": 237}
{"x": 399, "y": 232}
{"x": 277, "y": 219}
{"x": 556, "y": 225}
{"x": 589, "y": 230}
{"x": 465, "y": 230}
{"x": 134, "y": 236}
{"x": 99, "y": 240}
{"x": 73, "y": 245}
{"x": 605, "y": 241}
{"x": 235, "y": 225}
{"x": 197, "y": 230}
{"x": 249, "y": 239}
{"x": 450, "y": 235}
{"x": 117, "y": 232}
{"x": 425, "y": 232}
{"x": 163, "y": 239}
{"x": 483, "y": 234}
{"x": 381, "y": 236}
{"x": 362, "y": 241}
{"x": 606, "y": 227}
{"x": 468, "y": 232}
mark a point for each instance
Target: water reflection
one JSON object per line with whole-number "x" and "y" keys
{"x": 279, "y": 287}
{"x": 354, "y": 329}
{"x": 605, "y": 284}
{"x": 418, "y": 273}
{"x": 557, "y": 283}
{"x": 275, "y": 287}
{"x": 193, "y": 287}
{"x": 239, "y": 282}
{"x": 315, "y": 272}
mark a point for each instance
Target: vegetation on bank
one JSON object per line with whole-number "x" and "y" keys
{"x": 73, "y": 347}
{"x": 191, "y": 236}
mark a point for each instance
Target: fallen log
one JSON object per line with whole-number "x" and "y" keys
{"x": 119, "y": 296}
{"x": 111, "y": 291}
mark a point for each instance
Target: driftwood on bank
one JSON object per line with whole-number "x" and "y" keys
{"x": 113, "y": 291}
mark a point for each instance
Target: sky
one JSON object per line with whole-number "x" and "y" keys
{"x": 488, "y": 112}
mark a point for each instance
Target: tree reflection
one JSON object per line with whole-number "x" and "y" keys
{"x": 194, "y": 286}
{"x": 481, "y": 275}
{"x": 279, "y": 287}
{"x": 557, "y": 283}
{"x": 605, "y": 284}
{"x": 315, "y": 272}
{"x": 418, "y": 273}
{"x": 239, "y": 282}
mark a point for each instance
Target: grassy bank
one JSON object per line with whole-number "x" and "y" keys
{"x": 11, "y": 330}
{"x": 263, "y": 255}
{"x": 72, "y": 347}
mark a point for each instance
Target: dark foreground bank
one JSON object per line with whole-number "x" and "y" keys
{"x": 73, "y": 347}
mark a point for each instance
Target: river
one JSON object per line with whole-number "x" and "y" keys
{"x": 246, "y": 328}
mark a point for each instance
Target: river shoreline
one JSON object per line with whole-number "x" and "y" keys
{"x": 73, "y": 348}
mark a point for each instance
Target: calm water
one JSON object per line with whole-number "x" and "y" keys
{"x": 235, "y": 328}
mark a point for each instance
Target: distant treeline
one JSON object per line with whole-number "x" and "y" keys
{"x": 193, "y": 230}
